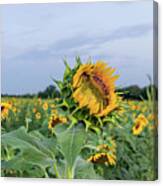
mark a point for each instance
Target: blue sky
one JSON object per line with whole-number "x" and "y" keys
{"x": 36, "y": 38}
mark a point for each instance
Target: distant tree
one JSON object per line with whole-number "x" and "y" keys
{"x": 137, "y": 93}
{"x": 50, "y": 92}
{"x": 131, "y": 92}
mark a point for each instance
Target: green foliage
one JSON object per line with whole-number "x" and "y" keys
{"x": 85, "y": 170}
{"x": 29, "y": 150}
{"x": 71, "y": 142}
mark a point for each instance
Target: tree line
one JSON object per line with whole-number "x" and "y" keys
{"x": 131, "y": 92}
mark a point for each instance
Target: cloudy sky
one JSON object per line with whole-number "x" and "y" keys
{"x": 37, "y": 37}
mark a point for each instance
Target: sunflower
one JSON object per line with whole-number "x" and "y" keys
{"x": 102, "y": 157}
{"x": 140, "y": 123}
{"x": 135, "y": 107}
{"x": 14, "y": 109}
{"x": 5, "y": 107}
{"x": 38, "y": 116}
{"x": 94, "y": 88}
{"x": 45, "y": 106}
{"x": 105, "y": 153}
{"x": 56, "y": 119}
{"x": 34, "y": 110}
{"x": 52, "y": 106}
{"x": 142, "y": 119}
{"x": 151, "y": 117}
{"x": 137, "y": 129}
{"x": 39, "y": 101}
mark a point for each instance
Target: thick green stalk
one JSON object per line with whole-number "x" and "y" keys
{"x": 56, "y": 170}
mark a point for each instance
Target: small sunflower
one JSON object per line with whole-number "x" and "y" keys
{"x": 52, "y": 106}
{"x": 106, "y": 153}
{"x": 102, "y": 157}
{"x": 140, "y": 123}
{"x": 14, "y": 109}
{"x": 34, "y": 110}
{"x": 137, "y": 129}
{"x": 151, "y": 117}
{"x": 38, "y": 116}
{"x": 135, "y": 107}
{"x": 56, "y": 119}
{"x": 142, "y": 119}
{"x": 94, "y": 88}
{"x": 45, "y": 106}
{"x": 5, "y": 107}
{"x": 39, "y": 101}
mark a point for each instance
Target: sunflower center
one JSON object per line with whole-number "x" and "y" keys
{"x": 100, "y": 83}
{"x": 94, "y": 87}
{"x": 2, "y": 108}
{"x": 55, "y": 122}
{"x": 137, "y": 126}
{"x": 97, "y": 82}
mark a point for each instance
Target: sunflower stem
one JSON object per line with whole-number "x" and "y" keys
{"x": 56, "y": 170}
{"x": 74, "y": 111}
{"x": 100, "y": 121}
{"x": 69, "y": 173}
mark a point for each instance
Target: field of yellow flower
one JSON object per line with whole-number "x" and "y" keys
{"x": 89, "y": 132}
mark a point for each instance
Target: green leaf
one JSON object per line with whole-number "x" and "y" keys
{"x": 85, "y": 170}
{"x": 71, "y": 142}
{"x": 32, "y": 149}
{"x": 59, "y": 84}
{"x": 67, "y": 71}
{"x": 20, "y": 164}
{"x": 78, "y": 62}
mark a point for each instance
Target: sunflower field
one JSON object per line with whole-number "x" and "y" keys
{"x": 89, "y": 132}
